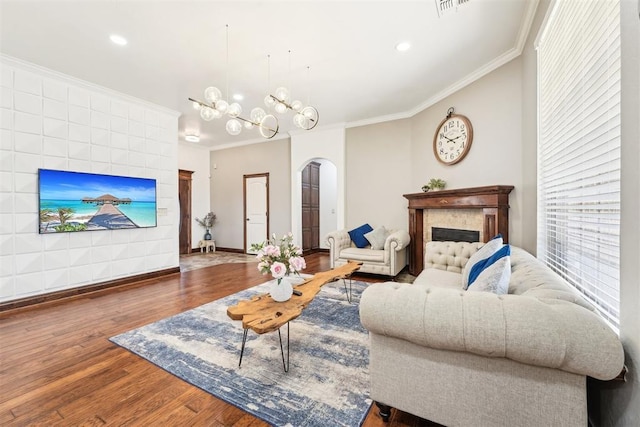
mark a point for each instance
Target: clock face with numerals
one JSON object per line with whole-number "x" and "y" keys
{"x": 453, "y": 138}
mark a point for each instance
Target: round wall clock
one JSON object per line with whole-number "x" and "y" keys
{"x": 453, "y": 138}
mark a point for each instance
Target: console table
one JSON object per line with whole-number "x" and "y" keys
{"x": 493, "y": 200}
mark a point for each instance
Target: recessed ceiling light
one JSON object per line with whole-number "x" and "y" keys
{"x": 238, "y": 97}
{"x": 118, "y": 39}
{"x": 192, "y": 138}
{"x": 403, "y": 46}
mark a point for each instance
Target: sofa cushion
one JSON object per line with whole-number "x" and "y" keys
{"x": 449, "y": 256}
{"x": 356, "y": 254}
{"x": 357, "y": 235}
{"x": 492, "y": 274}
{"x": 439, "y": 278}
{"x": 377, "y": 237}
{"x": 488, "y": 249}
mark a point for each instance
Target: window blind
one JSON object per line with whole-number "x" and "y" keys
{"x": 579, "y": 149}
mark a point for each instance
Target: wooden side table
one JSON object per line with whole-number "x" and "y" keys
{"x": 207, "y": 245}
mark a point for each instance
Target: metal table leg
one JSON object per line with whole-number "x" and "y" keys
{"x": 244, "y": 341}
{"x": 284, "y": 365}
{"x": 285, "y": 362}
{"x": 349, "y": 291}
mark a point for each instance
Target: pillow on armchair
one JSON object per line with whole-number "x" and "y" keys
{"x": 357, "y": 235}
{"x": 377, "y": 237}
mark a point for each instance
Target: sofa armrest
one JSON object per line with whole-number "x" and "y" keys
{"x": 337, "y": 240}
{"x": 541, "y": 332}
{"x": 397, "y": 240}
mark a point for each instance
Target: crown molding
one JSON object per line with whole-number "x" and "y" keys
{"x": 466, "y": 81}
{"x": 514, "y": 52}
{"x": 35, "y": 68}
{"x": 338, "y": 125}
{"x": 380, "y": 119}
{"x": 247, "y": 142}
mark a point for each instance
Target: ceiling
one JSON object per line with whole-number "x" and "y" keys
{"x": 178, "y": 48}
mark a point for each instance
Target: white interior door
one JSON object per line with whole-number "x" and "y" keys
{"x": 256, "y": 210}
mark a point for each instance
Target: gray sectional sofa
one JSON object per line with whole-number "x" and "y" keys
{"x": 464, "y": 358}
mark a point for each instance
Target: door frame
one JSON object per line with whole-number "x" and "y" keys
{"x": 185, "y": 211}
{"x": 244, "y": 205}
{"x": 309, "y": 165}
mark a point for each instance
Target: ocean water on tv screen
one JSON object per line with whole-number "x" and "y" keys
{"x": 143, "y": 214}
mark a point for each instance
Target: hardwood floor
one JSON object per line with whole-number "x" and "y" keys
{"x": 58, "y": 368}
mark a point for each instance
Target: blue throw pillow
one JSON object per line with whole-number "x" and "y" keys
{"x": 485, "y": 264}
{"x": 488, "y": 249}
{"x": 357, "y": 235}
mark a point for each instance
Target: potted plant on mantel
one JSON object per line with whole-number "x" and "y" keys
{"x": 207, "y": 222}
{"x": 435, "y": 184}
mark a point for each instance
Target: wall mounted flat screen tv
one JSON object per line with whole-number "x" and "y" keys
{"x": 77, "y": 201}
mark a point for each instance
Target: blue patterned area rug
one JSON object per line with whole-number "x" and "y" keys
{"x": 328, "y": 379}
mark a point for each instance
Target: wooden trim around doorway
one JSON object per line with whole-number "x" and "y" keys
{"x": 184, "y": 198}
{"x": 244, "y": 206}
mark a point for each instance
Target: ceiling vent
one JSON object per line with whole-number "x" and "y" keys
{"x": 445, "y": 6}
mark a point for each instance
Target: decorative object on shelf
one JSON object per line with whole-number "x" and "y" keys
{"x": 207, "y": 222}
{"x": 280, "y": 258}
{"x": 453, "y": 138}
{"x": 435, "y": 184}
{"x": 306, "y": 117}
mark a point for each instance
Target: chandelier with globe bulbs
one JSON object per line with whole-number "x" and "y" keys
{"x": 305, "y": 117}
{"x": 215, "y": 107}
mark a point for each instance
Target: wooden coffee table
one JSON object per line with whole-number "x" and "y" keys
{"x": 262, "y": 314}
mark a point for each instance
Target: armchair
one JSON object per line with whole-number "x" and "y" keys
{"x": 389, "y": 261}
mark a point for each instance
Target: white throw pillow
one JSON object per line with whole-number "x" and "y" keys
{"x": 493, "y": 274}
{"x": 377, "y": 237}
{"x": 488, "y": 249}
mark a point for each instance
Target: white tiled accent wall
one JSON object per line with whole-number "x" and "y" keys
{"x": 52, "y": 121}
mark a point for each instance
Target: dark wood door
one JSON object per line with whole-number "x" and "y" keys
{"x": 184, "y": 197}
{"x": 311, "y": 207}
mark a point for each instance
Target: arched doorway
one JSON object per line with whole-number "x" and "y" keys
{"x": 318, "y": 200}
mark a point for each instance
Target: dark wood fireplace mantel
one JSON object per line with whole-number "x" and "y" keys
{"x": 493, "y": 200}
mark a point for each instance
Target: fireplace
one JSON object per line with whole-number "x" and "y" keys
{"x": 488, "y": 214}
{"x": 440, "y": 234}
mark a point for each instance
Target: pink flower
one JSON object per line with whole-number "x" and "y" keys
{"x": 278, "y": 270}
{"x": 263, "y": 266}
{"x": 272, "y": 250}
{"x": 297, "y": 263}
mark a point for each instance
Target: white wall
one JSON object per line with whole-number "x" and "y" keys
{"x": 227, "y": 169}
{"x": 493, "y": 104}
{"x": 317, "y": 144}
{"x": 378, "y": 174}
{"x": 328, "y": 200}
{"x": 50, "y": 120}
{"x": 196, "y": 159}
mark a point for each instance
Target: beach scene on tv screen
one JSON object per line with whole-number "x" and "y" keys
{"x": 76, "y": 201}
